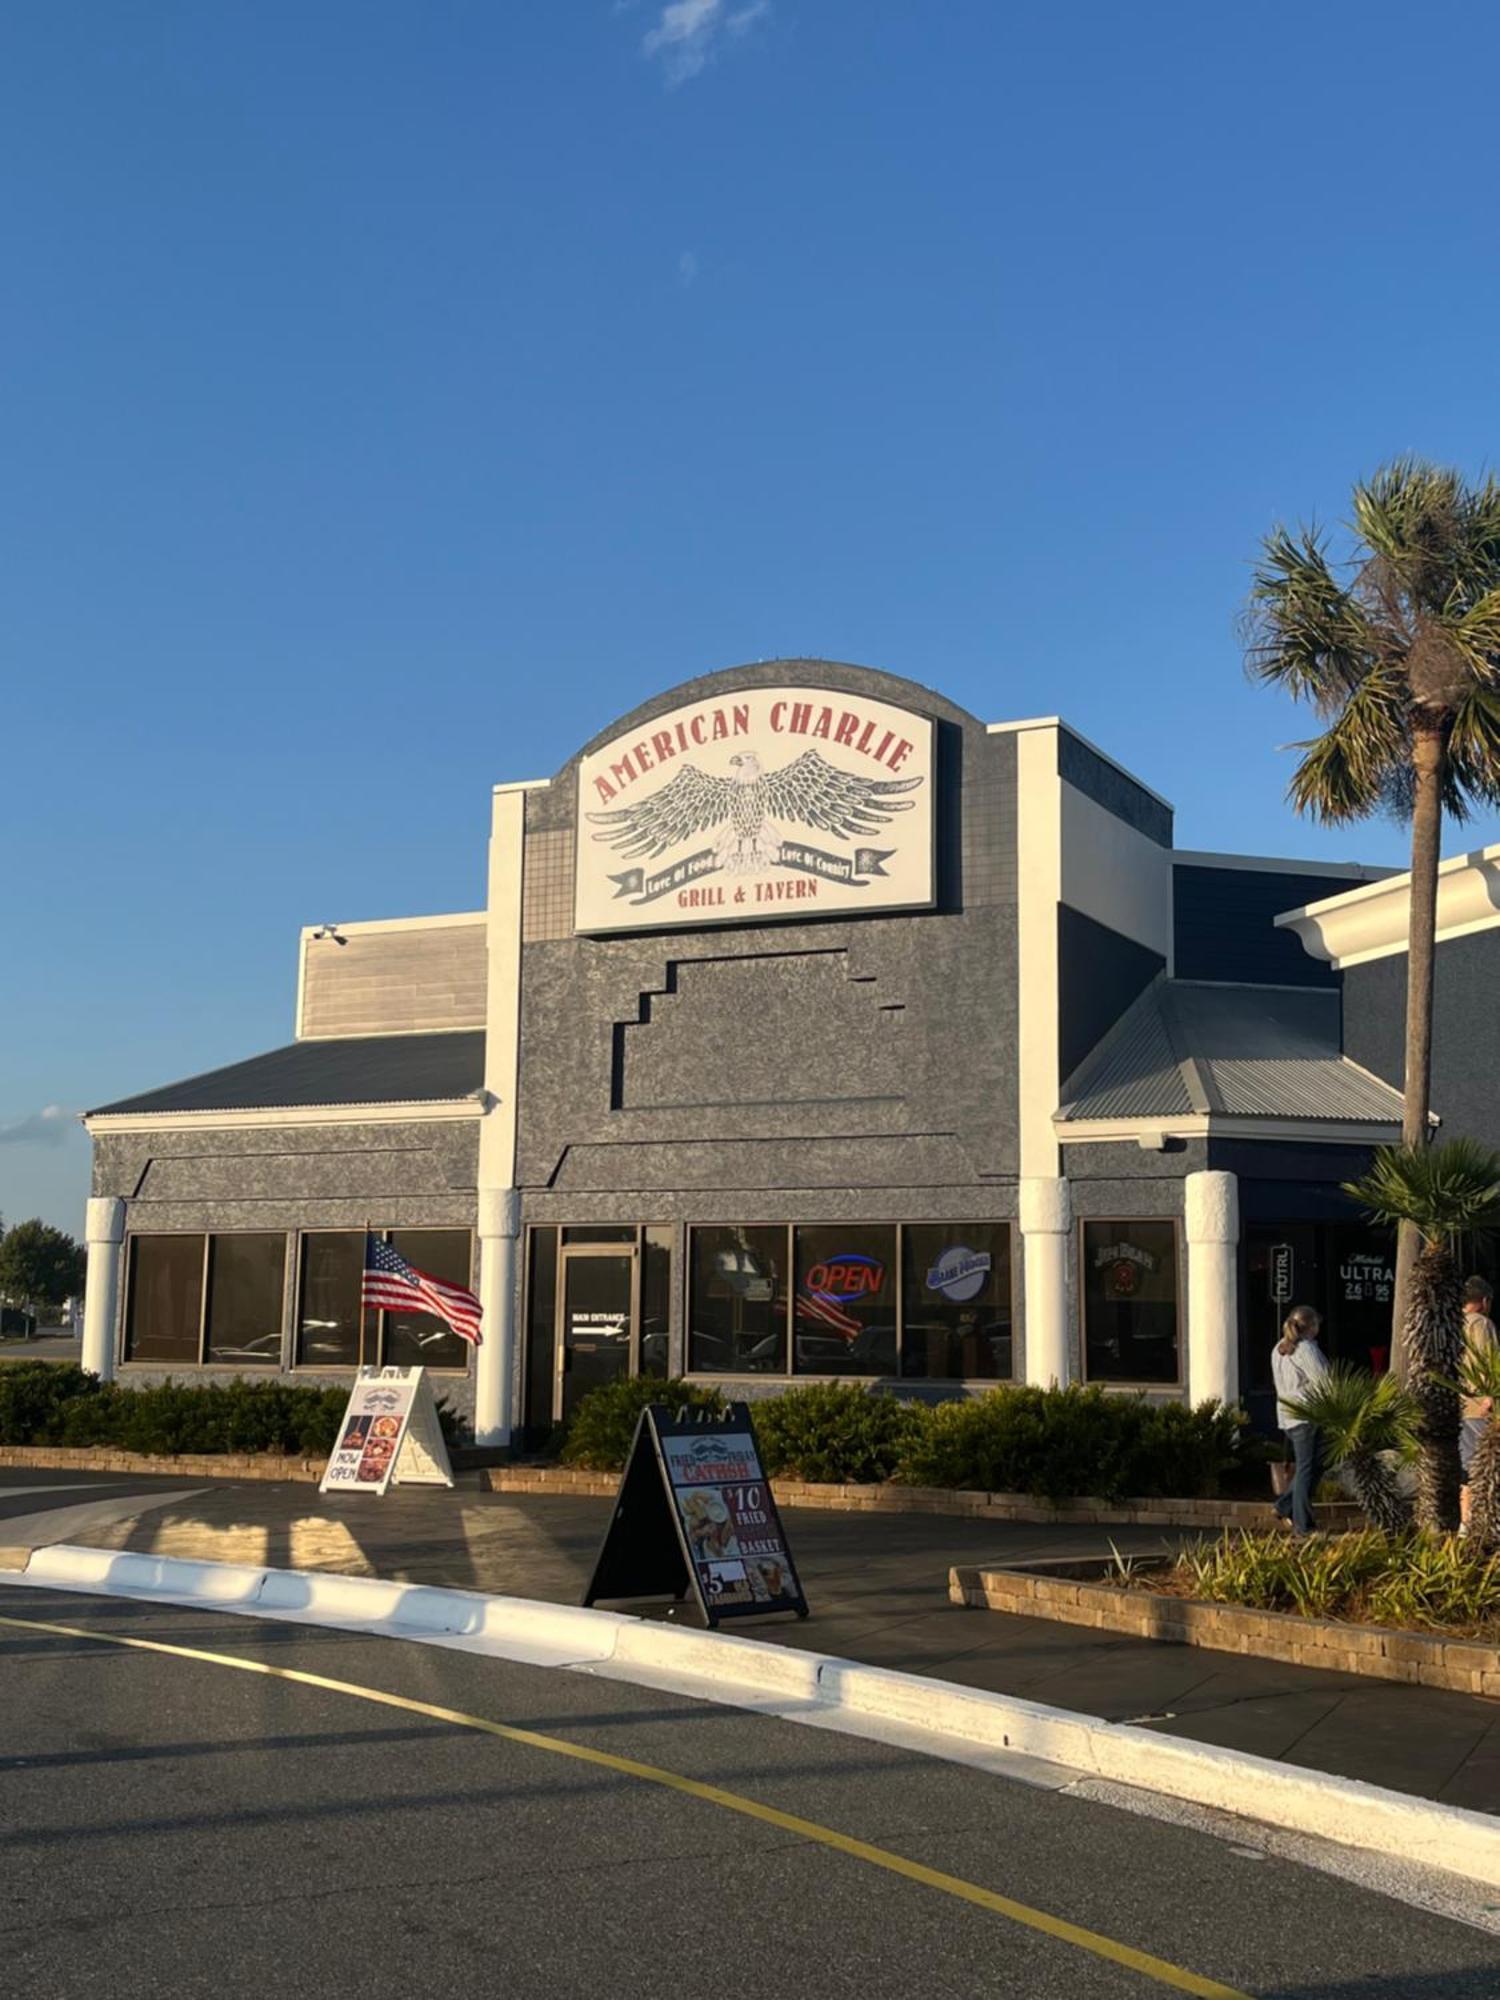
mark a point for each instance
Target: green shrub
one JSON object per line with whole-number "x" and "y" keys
{"x": 1410, "y": 1579}
{"x": 837, "y": 1432}
{"x": 1059, "y": 1443}
{"x": 46, "y": 1403}
{"x": 36, "y": 1397}
{"x": 1053, "y": 1443}
{"x": 602, "y": 1427}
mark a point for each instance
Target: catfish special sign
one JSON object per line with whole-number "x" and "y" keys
{"x": 773, "y": 802}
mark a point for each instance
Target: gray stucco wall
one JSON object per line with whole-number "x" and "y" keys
{"x": 868, "y": 1053}
{"x": 1465, "y": 1030}
{"x": 401, "y": 1175}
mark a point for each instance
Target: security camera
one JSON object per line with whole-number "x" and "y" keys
{"x": 330, "y": 931}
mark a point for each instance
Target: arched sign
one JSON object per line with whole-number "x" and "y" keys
{"x": 763, "y": 802}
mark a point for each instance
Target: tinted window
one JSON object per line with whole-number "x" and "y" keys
{"x": 328, "y": 1316}
{"x": 246, "y": 1278}
{"x": 656, "y": 1299}
{"x": 164, "y": 1311}
{"x": 737, "y": 1320}
{"x": 956, "y": 1319}
{"x": 1130, "y": 1301}
{"x": 845, "y": 1304}
{"x": 421, "y": 1340}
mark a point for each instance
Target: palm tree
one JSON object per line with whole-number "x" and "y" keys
{"x": 1480, "y": 1376}
{"x": 1363, "y": 1418}
{"x": 1401, "y": 658}
{"x": 1442, "y": 1192}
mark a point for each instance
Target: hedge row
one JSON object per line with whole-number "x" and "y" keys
{"x": 43, "y": 1402}
{"x": 1051, "y": 1443}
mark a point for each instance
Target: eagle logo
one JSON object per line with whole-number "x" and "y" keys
{"x": 742, "y": 810}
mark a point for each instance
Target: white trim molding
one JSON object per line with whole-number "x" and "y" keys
{"x": 1215, "y": 1125}
{"x": 419, "y": 1111}
{"x": 1275, "y": 864}
{"x": 1371, "y": 922}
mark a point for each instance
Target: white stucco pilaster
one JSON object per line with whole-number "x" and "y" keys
{"x": 1212, "y": 1227}
{"x": 1046, "y": 1237}
{"x": 104, "y": 1235}
{"x": 498, "y": 1200}
{"x": 1038, "y": 893}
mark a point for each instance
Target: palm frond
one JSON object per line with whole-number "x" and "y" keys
{"x": 1305, "y": 632}
{"x": 1445, "y": 1191}
{"x": 1473, "y": 767}
{"x": 1411, "y": 516}
{"x": 1361, "y": 1413}
{"x": 1350, "y": 769}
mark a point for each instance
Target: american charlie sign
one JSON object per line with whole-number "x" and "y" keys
{"x": 772, "y": 802}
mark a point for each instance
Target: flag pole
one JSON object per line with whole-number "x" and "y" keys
{"x": 364, "y": 1253}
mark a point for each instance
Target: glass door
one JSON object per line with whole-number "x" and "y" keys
{"x": 597, "y": 1314}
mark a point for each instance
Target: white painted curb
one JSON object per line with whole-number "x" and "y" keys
{"x": 753, "y": 1673}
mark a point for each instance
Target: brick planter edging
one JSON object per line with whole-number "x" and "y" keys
{"x": 1209, "y": 1515}
{"x": 193, "y": 1464}
{"x": 1067, "y": 1593}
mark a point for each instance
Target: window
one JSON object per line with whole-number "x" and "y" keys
{"x": 656, "y": 1300}
{"x": 1130, "y": 1301}
{"x": 333, "y": 1332}
{"x": 196, "y": 1299}
{"x": 845, "y": 1306}
{"x": 956, "y": 1301}
{"x": 246, "y": 1280}
{"x": 328, "y": 1311}
{"x": 164, "y": 1301}
{"x": 422, "y": 1340}
{"x": 943, "y": 1314}
{"x": 737, "y": 1313}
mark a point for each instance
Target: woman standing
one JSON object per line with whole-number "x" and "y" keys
{"x": 1298, "y": 1365}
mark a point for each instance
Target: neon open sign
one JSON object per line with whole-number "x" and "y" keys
{"x": 853, "y": 1276}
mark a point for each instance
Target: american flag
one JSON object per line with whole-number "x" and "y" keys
{"x": 390, "y": 1282}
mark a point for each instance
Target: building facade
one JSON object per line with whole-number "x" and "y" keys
{"x": 813, "y": 1027}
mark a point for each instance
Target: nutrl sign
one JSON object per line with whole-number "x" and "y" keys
{"x": 775, "y": 802}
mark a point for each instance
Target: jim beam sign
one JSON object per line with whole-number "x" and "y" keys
{"x": 779, "y": 802}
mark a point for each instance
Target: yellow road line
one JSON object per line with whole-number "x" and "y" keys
{"x": 1161, "y": 1970}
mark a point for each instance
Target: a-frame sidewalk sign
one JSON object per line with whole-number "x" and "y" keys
{"x": 389, "y": 1434}
{"x": 694, "y": 1511}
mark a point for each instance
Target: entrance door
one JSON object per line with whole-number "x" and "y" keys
{"x": 596, "y": 1320}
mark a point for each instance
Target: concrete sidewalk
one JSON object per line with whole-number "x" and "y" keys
{"x": 878, "y": 1590}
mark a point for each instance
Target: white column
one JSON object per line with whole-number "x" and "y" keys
{"x": 499, "y": 1202}
{"x": 1213, "y": 1317}
{"x": 1047, "y": 1235}
{"x": 104, "y": 1233}
{"x": 494, "y": 1369}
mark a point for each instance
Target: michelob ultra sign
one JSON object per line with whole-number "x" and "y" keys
{"x": 772, "y": 802}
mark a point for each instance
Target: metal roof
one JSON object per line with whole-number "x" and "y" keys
{"x": 1191, "y": 1048}
{"x": 359, "y": 1069}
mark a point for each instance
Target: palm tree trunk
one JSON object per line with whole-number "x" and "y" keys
{"x": 1429, "y": 757}
{"x": 1380, "y": 1502}
{"x": 1435, "y": 1337}
{"x": 1484, "y": 1489}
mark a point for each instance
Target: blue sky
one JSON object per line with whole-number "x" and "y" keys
{"x": 397, "y": 393}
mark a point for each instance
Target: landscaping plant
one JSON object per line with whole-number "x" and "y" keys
{"x": 837, "y": 1432}
{"x": 1479, "y": 1375}
{"x": 1444, "y": 1192}
{"x": 1411, "y": 1579}
{"x": 602, "y": 1428}
{"x": 1366, "y": 1420}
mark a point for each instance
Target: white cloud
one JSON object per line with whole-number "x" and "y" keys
{"x": 47, "y": 1127}
{"x": 690, "y": 33}
{"x": 687, "y": 269}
